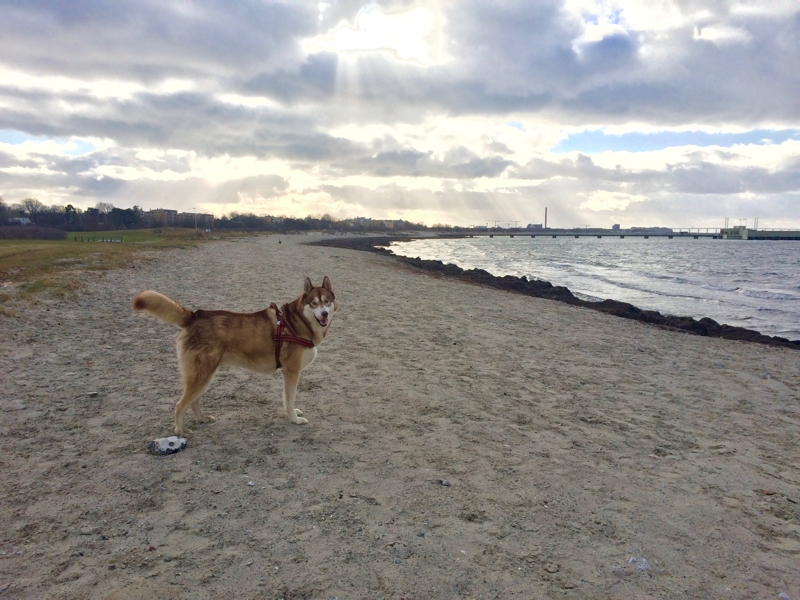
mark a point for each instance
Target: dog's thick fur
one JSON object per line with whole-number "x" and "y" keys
{"x": 214, "y": 338}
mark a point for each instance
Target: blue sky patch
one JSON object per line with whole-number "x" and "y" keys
{"x": 79, "y": 147}
{"x": 69, "y": 147}
{"x": 595, "y": 140}
{"x": 14, "y": 137}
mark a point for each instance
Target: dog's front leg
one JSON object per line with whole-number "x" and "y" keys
{"x": 290, "y": 379}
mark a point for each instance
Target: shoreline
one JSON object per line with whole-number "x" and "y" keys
{"x": 705, "y": 326}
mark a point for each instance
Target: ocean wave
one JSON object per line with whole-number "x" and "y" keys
{"x": 719, "y": 288}
{"x": 587, "y": 297}
{"x": 769, "y": 295}
{"x": 791, "y": 334}
{"x": 657, "y": 276}
{"x": 648, "y": 290}
{"x": 560, "y": 265}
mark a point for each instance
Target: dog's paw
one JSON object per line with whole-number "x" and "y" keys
{"x": 183, "y": 432}
{"x": 296, "y": 418}
{"x": 207, "y": 419}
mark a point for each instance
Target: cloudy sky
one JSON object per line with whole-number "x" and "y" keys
{"x": 674, "y": 113}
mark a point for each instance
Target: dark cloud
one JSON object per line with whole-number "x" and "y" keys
{"x": 151, "y": 40}
{"x": 457, "y": 163}
{"x": 612, "y": 52}
{"x": 315, "y": 80}
{"x": 394, "y": 198}
{"x": 9, "y": 160}
{"x": 705, "y": 178}
{"x": 184, "y": 121}
{"x": 697, "y": 176}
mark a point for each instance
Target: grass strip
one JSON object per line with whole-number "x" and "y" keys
{"x": 30, "y": 267}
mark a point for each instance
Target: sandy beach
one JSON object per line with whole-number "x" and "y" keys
{"x": 586, "y": 456}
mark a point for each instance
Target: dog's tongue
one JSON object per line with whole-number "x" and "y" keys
{"x": 323, "y": 322}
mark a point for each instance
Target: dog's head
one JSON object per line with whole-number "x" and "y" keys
{"x": 319, "y": 302}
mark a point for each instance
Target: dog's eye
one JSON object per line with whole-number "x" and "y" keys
{"x": 314, "y": 303}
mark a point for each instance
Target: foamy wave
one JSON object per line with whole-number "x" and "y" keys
{"x": 769, "y": 295}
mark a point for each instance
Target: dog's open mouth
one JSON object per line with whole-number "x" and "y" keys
{"x": 322, "y": 321}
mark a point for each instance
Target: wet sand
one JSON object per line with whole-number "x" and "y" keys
{"x": 587, "y": 456}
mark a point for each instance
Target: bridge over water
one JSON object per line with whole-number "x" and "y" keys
{"x": 734, "y": 233}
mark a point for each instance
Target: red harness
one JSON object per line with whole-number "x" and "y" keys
{"x": 290, "y": 337}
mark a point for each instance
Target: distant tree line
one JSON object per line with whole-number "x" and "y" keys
{"x": 68, "y": 218}
{"x": 105, "y": 216}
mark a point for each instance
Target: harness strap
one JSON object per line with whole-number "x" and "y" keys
{"x": 280, "y": 337}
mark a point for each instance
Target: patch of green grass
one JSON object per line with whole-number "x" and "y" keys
{"x": 29, "y": 267}
{"x": 143, "y": 236}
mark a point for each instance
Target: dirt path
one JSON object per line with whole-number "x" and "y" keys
{"x": 587, "y": 456}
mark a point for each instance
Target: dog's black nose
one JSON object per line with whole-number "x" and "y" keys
{"x": 324, "y": 314}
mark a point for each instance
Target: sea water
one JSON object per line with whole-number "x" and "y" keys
{"x": 753, "y": 284}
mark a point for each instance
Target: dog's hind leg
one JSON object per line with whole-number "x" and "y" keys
{"x": 196, "y": 377}
{"x": 198, "y": 413}
{"x": 290, "y": 379}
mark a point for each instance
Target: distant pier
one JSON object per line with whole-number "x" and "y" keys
{"x": 733, "y": 233}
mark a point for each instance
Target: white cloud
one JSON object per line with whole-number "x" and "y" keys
{"x": 40, "y": 170}
{"x": 410, "y": 34}
{"x": 250, "y": 101}
{"x": 609, "y": 201}
{"x": 99, "y": 88}
{"x": 722, "y": 35}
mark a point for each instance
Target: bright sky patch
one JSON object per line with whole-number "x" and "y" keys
{"x": 403, "y": 33}
{"x": 594, "y": 141}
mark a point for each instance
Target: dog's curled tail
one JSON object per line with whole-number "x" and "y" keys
{"x": 163, "y": 308}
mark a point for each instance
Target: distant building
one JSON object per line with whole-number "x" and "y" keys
{"x": 360, "y": 222}
{"x": 534, "y": 226}
{"x": 615, "y": 227}
{"x": 190, "y": 219}
{"x": 20, "y": 221}
{"x": 739, "y": 232}
{"x": 161, "y": 217}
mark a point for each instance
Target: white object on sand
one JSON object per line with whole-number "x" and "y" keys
{"x": 167, "y": 445}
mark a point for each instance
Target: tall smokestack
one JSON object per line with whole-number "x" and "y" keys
{"x": 545, "y": 217}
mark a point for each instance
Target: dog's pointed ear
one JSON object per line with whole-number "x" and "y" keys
{"x": 326, "y": 283}
{"x": 307, "y": 286}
